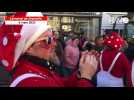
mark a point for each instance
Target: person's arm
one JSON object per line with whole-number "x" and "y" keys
{"x": 127, "y": 69}
{"x": 87, "y": 69}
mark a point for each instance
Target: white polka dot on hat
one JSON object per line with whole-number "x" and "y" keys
{"x": 115, "y": 46}
{"x": 109, "y": 41}
{"x": 5, "y": 62}
{"x": 5, "y": 41}
{"x": 117, "y": 39}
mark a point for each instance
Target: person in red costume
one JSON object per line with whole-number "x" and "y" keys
{"x": 114, "y": 69}
{"x": 26, "y": 51}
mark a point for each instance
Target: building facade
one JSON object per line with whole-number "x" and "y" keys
{"x": 87, "y": 23}
{"x": 109, "y": 19}
{"x": 129, "y": 27}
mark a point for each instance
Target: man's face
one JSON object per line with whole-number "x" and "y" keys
{"x": 41, "y": 48}
{"x": 100, "y": 42}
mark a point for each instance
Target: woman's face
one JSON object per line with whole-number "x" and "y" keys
{"x": 69, "y": 41}
{"x": 76, "y": 42}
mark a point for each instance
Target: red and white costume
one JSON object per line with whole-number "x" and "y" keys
{"x": 14, "y": 41}
{"x": 114, "y": 66}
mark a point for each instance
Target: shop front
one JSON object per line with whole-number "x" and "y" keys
{"x": 87, "y": 24}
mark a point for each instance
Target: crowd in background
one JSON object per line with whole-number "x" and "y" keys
{"x": 34, "y": 56}
{"x": 115, "y": 59}
{"x": 71, "y": 46}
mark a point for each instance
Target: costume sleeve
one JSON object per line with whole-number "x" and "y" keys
{"x": 84, "y": 83}
{"x": 74, "y": 81}
{"x": 127, "y": 69}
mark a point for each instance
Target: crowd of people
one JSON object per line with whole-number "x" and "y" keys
{"x": 35, "y": 57}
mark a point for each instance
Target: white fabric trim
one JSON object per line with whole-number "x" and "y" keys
{"x": 132, "y": 73}
{"x": 115, "y": 59}
{"x": 41, "y": 29}
{"x": 23, "y": 77}
{"x": 112, "y": 65}
{"x": 101, "y": 61}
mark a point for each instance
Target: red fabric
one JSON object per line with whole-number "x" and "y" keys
{"x": 114, "y": 41}
{"x": 52, "y": 80}
{"x": 9, "y": 36}
{"x": 122, "y": 66}
{"x": 7, "y": 32}
{"x": 84, "y": 83}
{"x": 73, "y": 81}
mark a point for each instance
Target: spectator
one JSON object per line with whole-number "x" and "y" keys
{"x": 114, "y": 66}
{"x": 81, "y": 42}
{"x": 99, "y": 43}
{"x": 129, "y": 52}
{"x": 71, "y": 58}
{"x": 130, "y": 55}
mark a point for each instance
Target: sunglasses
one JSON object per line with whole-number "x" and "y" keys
{"x": 47, "y": 40}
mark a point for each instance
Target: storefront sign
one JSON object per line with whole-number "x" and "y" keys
{"x": 119, "y": 20}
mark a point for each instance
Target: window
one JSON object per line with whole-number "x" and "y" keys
{"x": 130, "y": 30}
{"x": 67, "y": 20}
{"x": 88, "y": 26}
{"x": 54, "y": 22}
